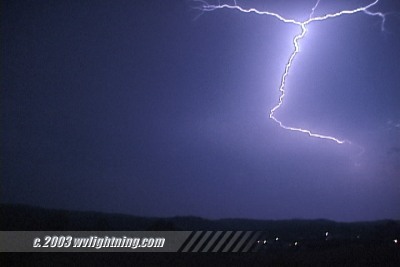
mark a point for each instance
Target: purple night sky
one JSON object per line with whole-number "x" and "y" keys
{"x": 137, "y": 107}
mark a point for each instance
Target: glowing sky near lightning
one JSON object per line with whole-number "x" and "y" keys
{"x": 296, "y": 40}
{"x": 137, "y": 107}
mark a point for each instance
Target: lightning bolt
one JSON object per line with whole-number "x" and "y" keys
{"x": 303, "y": 26}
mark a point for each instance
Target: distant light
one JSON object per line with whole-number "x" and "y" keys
{"x": 295, "y": 243}
{"x": 327, "y": 233}
{"x": 265, "y": 241}
{"x": 395, "y": 241}
{"x": 276, "y": 239}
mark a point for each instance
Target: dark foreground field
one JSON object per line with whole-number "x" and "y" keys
{"x": 300, "y": 242}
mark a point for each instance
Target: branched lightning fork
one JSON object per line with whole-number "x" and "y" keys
{"x": 303, "y": 25}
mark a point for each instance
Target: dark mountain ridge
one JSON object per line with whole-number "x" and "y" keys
{"x": 17, "y": 217}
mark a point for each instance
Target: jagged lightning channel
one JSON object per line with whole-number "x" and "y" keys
{"x": 303, "y": 25}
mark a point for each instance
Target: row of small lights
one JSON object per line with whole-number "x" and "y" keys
{"x": 396, "y": 241}
{"x": 295, "y": 243}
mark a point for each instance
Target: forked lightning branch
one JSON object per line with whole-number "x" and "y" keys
{"x": 296, "y": 39}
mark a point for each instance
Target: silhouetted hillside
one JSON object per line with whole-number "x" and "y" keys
{"x": 283, "y": 243}
{"x": 28, "y": 218}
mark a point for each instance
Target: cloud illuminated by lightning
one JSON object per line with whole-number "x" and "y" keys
{"x": 303, "y": 25}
